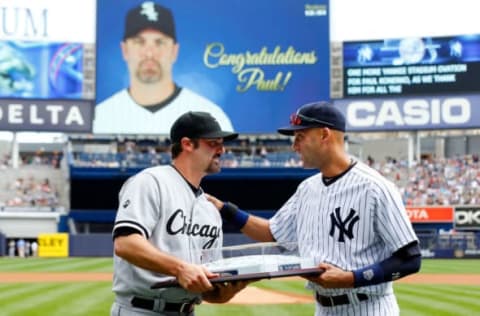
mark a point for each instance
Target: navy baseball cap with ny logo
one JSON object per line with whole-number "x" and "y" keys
{"x": 317, "y": 114}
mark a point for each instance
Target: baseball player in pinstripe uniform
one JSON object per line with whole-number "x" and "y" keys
{"x": 163, "y": 223}
{"x": 153, "y": 100}
{"x": 349, "y": 217}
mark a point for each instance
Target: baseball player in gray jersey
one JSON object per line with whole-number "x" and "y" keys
{"x": 348, "y": 217}
{"x": 163, "y": 223}
{"x": 153, "y": 100}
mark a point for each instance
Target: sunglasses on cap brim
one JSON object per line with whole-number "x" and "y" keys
{"x": 298, "y": 119}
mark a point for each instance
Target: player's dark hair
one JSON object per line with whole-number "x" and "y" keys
{"x": 176, "y": 150}
{"x": 177, "y": 147}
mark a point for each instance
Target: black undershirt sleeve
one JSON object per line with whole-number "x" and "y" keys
{"x": 125, "y": 231}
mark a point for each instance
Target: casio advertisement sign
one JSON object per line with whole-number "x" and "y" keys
{"x": 411, "y": 113}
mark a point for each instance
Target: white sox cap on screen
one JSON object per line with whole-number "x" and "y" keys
{"x": 149, "y": 15}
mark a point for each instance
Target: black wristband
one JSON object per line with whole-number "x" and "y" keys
{"x": 231, "y": 213}
{"x": 228, "y": 211}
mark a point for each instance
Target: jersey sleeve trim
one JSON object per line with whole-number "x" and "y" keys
{"x": 130, "y": 224}
{"x": 125, "y": 231}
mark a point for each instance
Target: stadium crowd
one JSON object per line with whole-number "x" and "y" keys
{"x": 431, "y": 181}
{"x": 443, "y": 181}
{"x": 37, "y": 158}
{"x": 32, "y": 193}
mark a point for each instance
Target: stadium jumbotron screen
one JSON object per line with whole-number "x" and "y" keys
{"x": 256, "y": 60}
{"x": 403, "y": 68}
{"x": 411, "y": 65}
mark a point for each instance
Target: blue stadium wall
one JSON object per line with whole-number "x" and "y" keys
{"x": 101, "y": 245}
{"x": 94, "y": 191}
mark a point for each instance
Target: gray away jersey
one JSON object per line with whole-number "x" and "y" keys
{"x": 354, "y": 222}
{"x": 160, "y": 204}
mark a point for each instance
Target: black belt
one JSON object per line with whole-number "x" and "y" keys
{"x": 338, "y": 300}
{"x": 169, "y": 307}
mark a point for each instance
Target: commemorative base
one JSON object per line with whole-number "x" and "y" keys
{"x": 251, "y": 262}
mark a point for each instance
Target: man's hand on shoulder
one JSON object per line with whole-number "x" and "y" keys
{"x": 218, "y": 204}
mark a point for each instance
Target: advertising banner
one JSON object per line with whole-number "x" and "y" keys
{"x": 430, "y": 214}
{"x": 467, "y": 217}
{"x": 47, "y": 54}
{"x": 53, "y": 245}
{"x": 457, "y": 111}
{"x": 45, "y": 115}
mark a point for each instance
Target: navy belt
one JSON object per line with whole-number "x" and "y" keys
{"x": 330, "y": 301}
{"x": 169, "y": 307}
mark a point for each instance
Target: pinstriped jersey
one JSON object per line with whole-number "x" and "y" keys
{"x": 160, "y": 204}
{"x": 120, "y": 114}
{"x": 355, "y": 221}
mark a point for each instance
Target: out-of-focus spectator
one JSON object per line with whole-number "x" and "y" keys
{"x": 21, "y": 247}
{"x": 4, "y": 162}
{"x": 45, "y": 186}
{"x": 11, "y": 248}
{"x": 27, "y": 248}
{"x": 37, "y": 158}
{"x": 56, "y": 158}
{"x": 370, "y": 160}
{"x": 34, "y": 247}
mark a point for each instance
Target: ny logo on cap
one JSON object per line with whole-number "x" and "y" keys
{"x": 148, "y": 9}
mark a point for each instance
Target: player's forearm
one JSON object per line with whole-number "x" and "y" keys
{"x": 138, "y": 251}
{"x": 253, "y": 226}
{"x": 258, "y": 229}
{"x": 402, "y": 263}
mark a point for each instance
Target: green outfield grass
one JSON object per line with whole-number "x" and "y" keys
{"x": 465, "y": 266}
{"x": 95, "y": 298}
{"x": 56, "y": 264}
